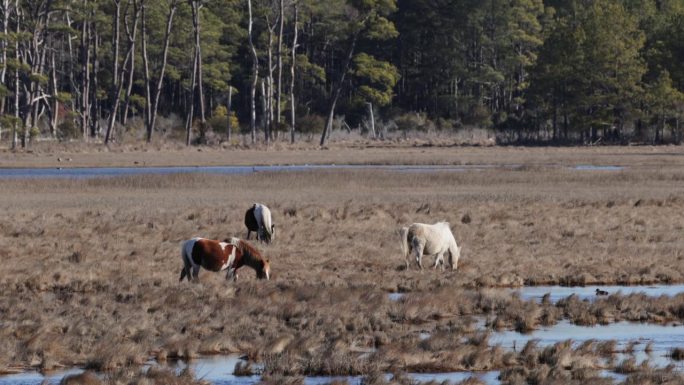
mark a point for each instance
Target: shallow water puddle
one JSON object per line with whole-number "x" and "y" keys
{"x": 589, "y": 292}
{"x": 662, "y": 338}
{"x": 92, "y": 172}
{"x": 35, "y": 378}
{"x": 218, "y": 370}
{"x": 557, "y": 293}
{"x": 591, "y": 167}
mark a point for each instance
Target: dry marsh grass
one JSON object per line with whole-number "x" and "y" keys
{"x": 88, "y": 260}
{"x": 365, "y": 152}
{"x": 152, "y": 376}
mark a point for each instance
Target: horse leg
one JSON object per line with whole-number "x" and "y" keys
{"x": 195, "y": 273}
{"x": 439, "y": 259}
{"x": 183, "y": 274}
{"x": 248, "y": 233}
{"x": 418, "y": 251}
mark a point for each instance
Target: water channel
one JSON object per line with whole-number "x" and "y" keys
{"x": 93, "y": 172}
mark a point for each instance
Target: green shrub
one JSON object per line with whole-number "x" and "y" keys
{"x": 479, "y": 116}
{"x": 68, "y": 129}
{"x": 414, "y": 121}
{"x": 311, "y": 124}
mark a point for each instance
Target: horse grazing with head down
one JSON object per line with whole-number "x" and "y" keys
{"x": 423, "y": 239}
{"x": 258, "y": 219}
{"x": 216, "y": 256}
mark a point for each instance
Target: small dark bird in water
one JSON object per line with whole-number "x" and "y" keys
{"x": 601, "y": 292}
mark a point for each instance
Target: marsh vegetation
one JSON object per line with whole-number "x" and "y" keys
{"x": 90, "y": 269}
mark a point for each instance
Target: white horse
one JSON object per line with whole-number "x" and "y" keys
{"x": 423, "y": 239}
{"x": 258, "y": 219}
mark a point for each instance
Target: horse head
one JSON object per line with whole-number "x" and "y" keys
{"x": 270, "y": 234}
{"x": 251, "y": 257}
{"x": 265, "y": 271}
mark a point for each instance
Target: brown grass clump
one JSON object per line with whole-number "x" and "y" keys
{"x": 154, "y": 376}
{"x": 634, "y": 307}
{"x": 243, "y": 369}
{"x": 557, "y": 364}
{"x": 606, "y": 348}
{"x": 281, "y": 380}
{"x": 626, "y": 366}
{"x": 85, "y": 378}
{"x": 654, "y": 376}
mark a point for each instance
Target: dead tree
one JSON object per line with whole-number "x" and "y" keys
{"x": 196, "y": 75}
{"x": 280, "y": 64}
{"x": 255, "y": 74}
{"x": 131, "y": 34}
{"x": 154, "y": 102}
{"x": 116, "y": 91}
{"x": 293, "y": 66}
{"x": 85, "y": 74}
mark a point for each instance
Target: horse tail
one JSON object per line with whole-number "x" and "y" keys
{"x": 403, "y": 233}
{"x": 186, "y": 262}
{"x": 267, "y": 222}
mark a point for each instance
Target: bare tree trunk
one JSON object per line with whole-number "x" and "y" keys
{"x": 116, "y": 92}
{"x": 131, "y": 70}
{"x": 293, "y": 66}
{"x": 116, "y": 32}
{"x": 160, "y": 81}
{"x": 85, "y": 76}
{"x": 16, "y": 81}
{"x": 372, "y": 120}
{"x": 188, "y": 121}
{"x": 94, "y": 118}
{"x": 54, "y": 118}
{"x": 147, "y": 116}
{"x": 338, "y": 90}
{"x": 229, "y": 112}
{"x": 264, "y": 107}
{"x": 34, "y": 56}
{"x": 3, "y": 71}
{"x": 280, "y": 65}
{"x": 72, "y": 77}
{"x": 196, "y": 6}
{"x": 115, "y": 100}
{"x": 255, "y": 75}
{"x": 268, "y": 96}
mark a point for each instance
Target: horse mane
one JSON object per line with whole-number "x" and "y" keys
{"x": 246, "y": 248}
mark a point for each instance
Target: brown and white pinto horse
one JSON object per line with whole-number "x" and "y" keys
{"x": 216, "y": 256}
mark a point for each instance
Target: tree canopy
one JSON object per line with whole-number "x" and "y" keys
{"x": 563, "y": 71}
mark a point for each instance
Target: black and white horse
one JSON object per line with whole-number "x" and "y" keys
{"x": 258, "y": 219}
